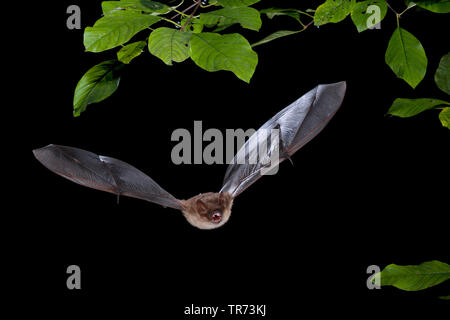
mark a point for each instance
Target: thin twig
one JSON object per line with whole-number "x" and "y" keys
{"x": 198, "y": 3}
{"x": 409, "y": 7}
{"x": 294, "y": 32}
{"x": 389, "y": 6}
{"x": 188, "y": 8}
{"x": 209, "y": 5}
{"x": 310, "y": 23}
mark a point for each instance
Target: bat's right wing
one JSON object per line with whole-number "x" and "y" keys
{"x": 296, "y": 125}
{"x": 103, "y": 173}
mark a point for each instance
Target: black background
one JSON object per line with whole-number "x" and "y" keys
{"x": 370, "y": 189}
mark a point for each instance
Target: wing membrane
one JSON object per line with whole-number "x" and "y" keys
{"x": 103, "y": 173}
{"x": 297, "y": 124}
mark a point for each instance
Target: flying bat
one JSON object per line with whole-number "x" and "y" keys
{"x": 296, "y": 125}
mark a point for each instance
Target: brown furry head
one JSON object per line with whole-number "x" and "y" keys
{"x": 208, "y": 210}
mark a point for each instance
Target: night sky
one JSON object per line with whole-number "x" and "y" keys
{"x": 370, "y": 189}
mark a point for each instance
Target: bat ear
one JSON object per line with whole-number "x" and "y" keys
{"x": 201, "y": 207}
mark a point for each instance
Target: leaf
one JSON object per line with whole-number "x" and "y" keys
{"x": 97, "y": 84}
{"x": 248, "y": 18}
{"x": 236, "y": 3}
{"x": 275, "y": 35}
{"x": 169, "y": 44}
{"x": 194, "y": 25}
{"x": 273, "y": 12}
{"x": 130, "y": 51}
{"x": 116, "y": 29}
{"x": 152, "y": 7}
{"x": 414, "y": 278}
{"x": 444, "y": 297}
{"x": 332, "y": 11}
{"x": 360, "y": 16}
{"x": 436, "y": 6}
{"x": 405, "y": 108}
{"x": 442, "y": 75}
{"x": 444, "y": 116}
{"x": 406, "y": 57}
{"x": 232, "y": 52}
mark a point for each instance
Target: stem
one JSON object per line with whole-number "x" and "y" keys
{"x": 197, "y": 4}
{"x": 389, "y": 6}
{"x": 305, "y": 13}
{"x": 188, "y": 8}
{"x": 168, "y": 20}
{"x": 301, "y": 30}
{"x": 180, "y": 13}
{"x": 409, "y": 7}
{"x": 209, "y": 5}
{"x": 397, "y": 15}
{"x": 305, "y": 27}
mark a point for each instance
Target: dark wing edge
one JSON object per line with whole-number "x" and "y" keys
{"x": 298, "y": 124}
{"x": 103, "y": 173}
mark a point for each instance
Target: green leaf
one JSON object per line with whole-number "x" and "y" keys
{"x": 414, "y": 278}
{"x": 169, "y": 44}
{"x": 444, "y": 116}
{"x": 442, "y": 75}
{"x": 332, "y": 11}
{"x": 116, "y": 29}
{"x": 362, "y": 18}
{"x": 152, "y": 7}
{"x": 436, "y": 6}
{"x": 406, "y": 57}
{"x": 194, "y": 25}
{"x": 97, "y": 84}
{"x": 275, "y": 35}
{"x": 130, "y": 51}
{"x": 273, "y": 12}
{"x": 444, "y": 297}
{"x": 236, "y": 3}
{"x": 410, "y": 107}
{"x": 232, "y": 52}
{"x": 248, "y": 18}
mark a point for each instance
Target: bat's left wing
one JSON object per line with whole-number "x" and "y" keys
{"x": 104, "y": 173}
{"x": 295, "y": 125}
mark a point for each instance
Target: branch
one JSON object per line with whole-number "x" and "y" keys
{"x": 197, "y": 4}
{"x": 389, "y": 6}
{"x": 293, "y": 32}
{"x": 187, "y": 9}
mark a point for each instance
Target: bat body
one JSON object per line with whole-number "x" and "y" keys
{"x": 296, "y": 125}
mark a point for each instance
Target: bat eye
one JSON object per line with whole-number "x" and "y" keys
{"x": 215, "y": 216}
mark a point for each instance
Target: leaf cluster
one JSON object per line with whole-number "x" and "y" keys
{"x": 199, "y": 32}
{"x": 405, "y": 54}
{"x": 192, "y": 34}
